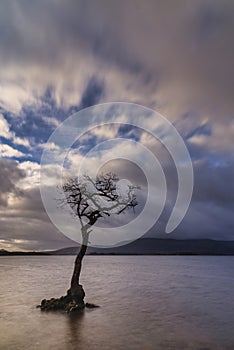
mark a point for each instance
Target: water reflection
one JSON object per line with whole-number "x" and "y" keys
{"x": 74, "y": 330}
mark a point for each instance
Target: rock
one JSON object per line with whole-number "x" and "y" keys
{"x": 73, "y": 301}
{"x": 73, "y": 306}
{"x": 69, "y": 306}
{"x": 91, "y": 306}
{"x": 66, "y": 303}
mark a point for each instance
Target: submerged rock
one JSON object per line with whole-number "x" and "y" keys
{"x": 91, "y": 306}
{"x": 73, "y": 301}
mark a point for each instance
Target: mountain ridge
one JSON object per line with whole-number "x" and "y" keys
{"x": 148, "y": 246}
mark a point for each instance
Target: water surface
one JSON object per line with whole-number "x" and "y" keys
{"x": 147, "y": 302}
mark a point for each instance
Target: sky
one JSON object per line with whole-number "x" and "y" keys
{"x": 59, "y": 57}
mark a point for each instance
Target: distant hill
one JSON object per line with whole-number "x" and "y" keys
{"x": 149, "y": 246}
{"x": 4, "y": 252}
{"x": 153, "y": 246}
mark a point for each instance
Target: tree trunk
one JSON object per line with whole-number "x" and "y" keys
{"x": 76, "y": 289}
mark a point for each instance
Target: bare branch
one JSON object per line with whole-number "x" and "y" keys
{"x": 91, "y": 199}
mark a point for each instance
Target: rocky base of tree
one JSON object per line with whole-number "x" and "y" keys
{"x": 73, "y": 301}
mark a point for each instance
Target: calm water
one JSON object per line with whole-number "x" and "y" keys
{"x": 146, "y": 303}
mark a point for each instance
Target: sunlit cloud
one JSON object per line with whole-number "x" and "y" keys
{"x": 10, "y": 152}
{"x": 51, "y": 146}
{"x": 4, "y": 128}
{"x": 7, "y": 134}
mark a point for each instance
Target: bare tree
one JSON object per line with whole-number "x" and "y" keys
{"x": 91, "y": 200}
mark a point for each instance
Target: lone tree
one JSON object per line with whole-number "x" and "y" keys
{"x": 90, "y": 200}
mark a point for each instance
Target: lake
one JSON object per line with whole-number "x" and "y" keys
{"x": 146, "y": 302}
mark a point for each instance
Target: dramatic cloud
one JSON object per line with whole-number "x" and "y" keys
{"x": 10, "y": 174}
{"x": 59, "y": 57}
{"x": 164, "y": 50}
{"x": 23, "y": 220}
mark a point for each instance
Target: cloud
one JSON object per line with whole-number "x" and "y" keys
{"x": 32, "y": 175}
{"x": 173, "y": 52}
{"x": 10, "y": 174}
{"x": 7, "y": 134}
{"x": 4, "y": 128}
{"x": 14, "y": 96}
{"x": 93, "y": 93}
{"x": 23, "y": 220}
{"x": 218, "y": 142}
{"x": 50, "y": 146}
{"x": 176, "y": 57}
{"x": 24, "y": 223}
{"x": 173, "y": 57}
{"x": 10, "y": 152}
{"x": 105, "y": 131}
{"x": 21, "y": 141}
{"x": 51, "y": 121}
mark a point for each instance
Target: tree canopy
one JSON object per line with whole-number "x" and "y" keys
{"x": 91, "y": 198}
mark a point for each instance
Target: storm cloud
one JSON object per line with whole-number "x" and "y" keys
{"x": 10, "y": 174}
{"x": 59, "y": 57}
